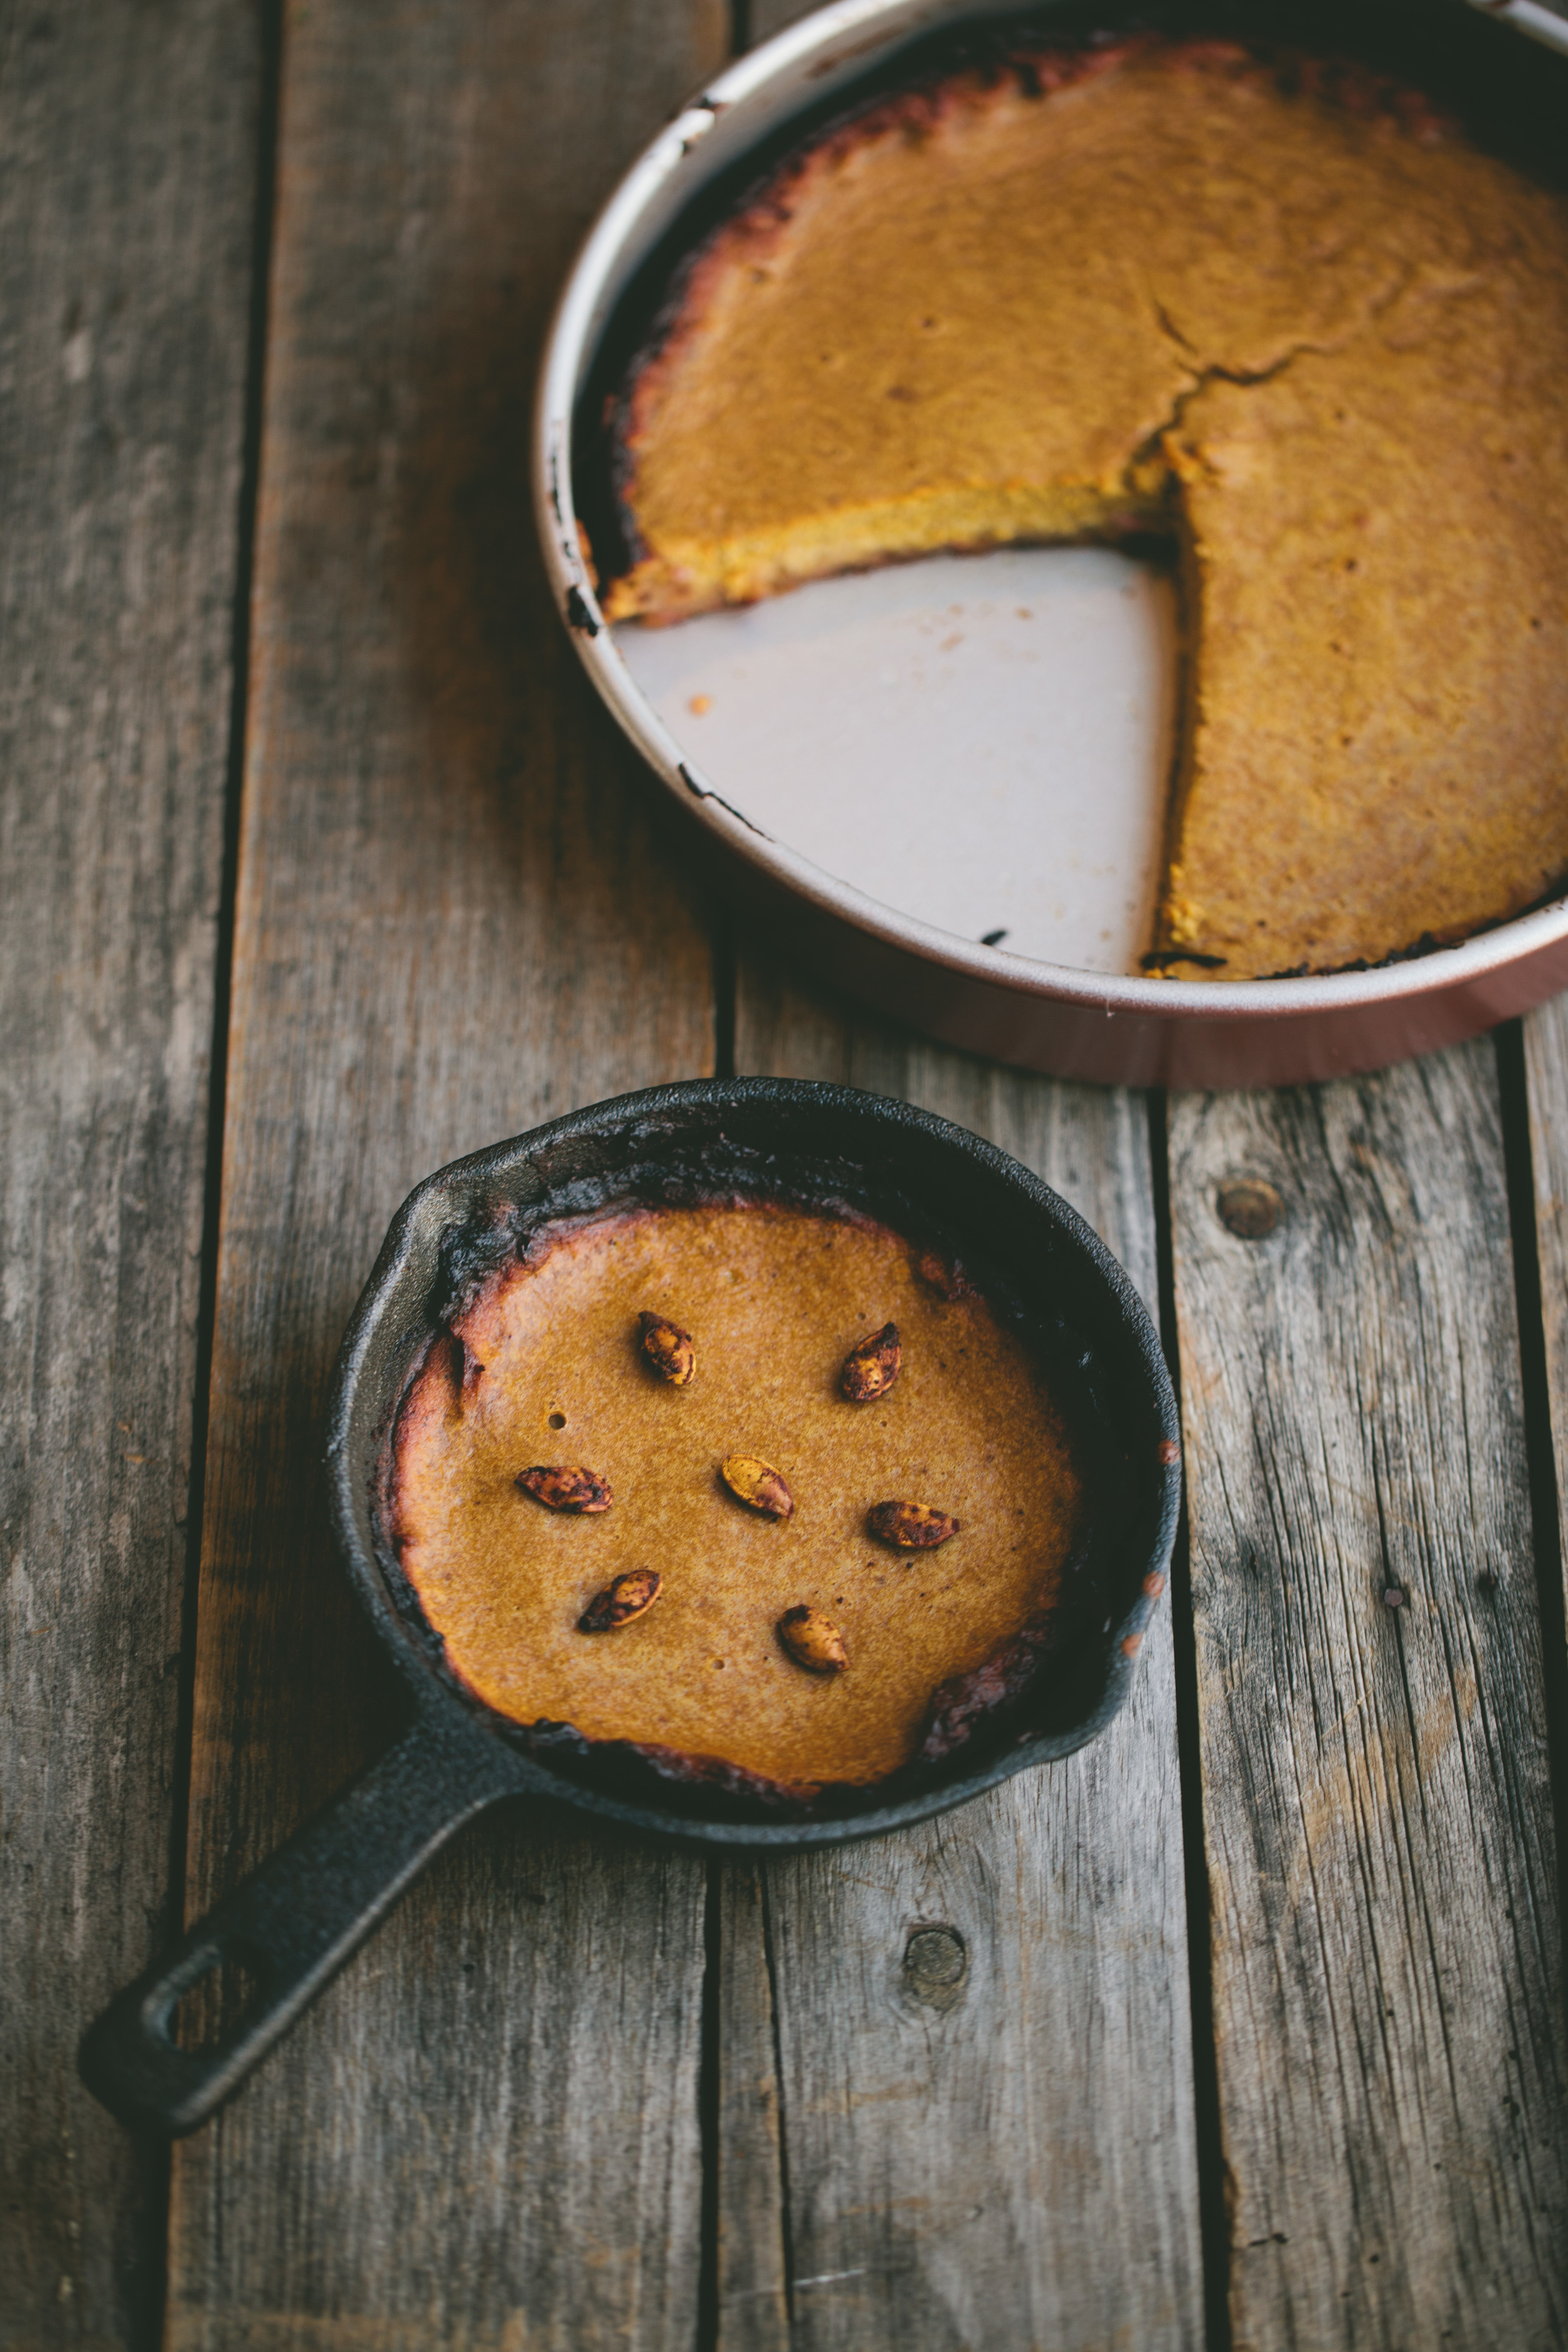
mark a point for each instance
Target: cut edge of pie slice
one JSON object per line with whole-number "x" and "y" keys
{"x": 948, "y": 324}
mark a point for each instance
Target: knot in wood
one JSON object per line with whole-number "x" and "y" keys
{"x": 936, "y": 1967}
{"x": 1249, "y": 1208}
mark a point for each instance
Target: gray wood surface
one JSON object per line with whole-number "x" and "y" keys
{"x": 942, "y": 2084}
{"x": 751, "y": 2286}
{"x": 987, "y": 2136}
{"x": 761, "y": 19}
{"x": 1546, "y": 1078}
{"x": 453, "y": 920}
{"x": 126, "y": 197}
{"x": 1386, "y": 1941}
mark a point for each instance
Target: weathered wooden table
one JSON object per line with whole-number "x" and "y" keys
{"x": 321, "y": 867}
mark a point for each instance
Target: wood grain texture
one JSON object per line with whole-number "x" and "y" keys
{"x": 992, "y": 2147}
{"x": 1546, "y": 1083}
{"x": 764, "y": 18}
{"x": 751, "y": 2253}
{"x": 1386, "y": 1943}
{"x": 127, "y": 186}
{"x": 454, "y": 920}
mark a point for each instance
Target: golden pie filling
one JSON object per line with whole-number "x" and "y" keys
{"x": 1281, "y": 310}
{"x": 790, "y": 1642}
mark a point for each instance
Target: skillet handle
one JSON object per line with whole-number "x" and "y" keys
{"x": 293, "y": 1923}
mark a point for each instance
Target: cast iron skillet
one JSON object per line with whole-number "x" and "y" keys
{"x": 297, "y": 1920}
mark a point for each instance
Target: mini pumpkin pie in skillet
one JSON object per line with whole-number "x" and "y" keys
{"x": 752, "y": 1489}
{"x": 1276, "y": 308}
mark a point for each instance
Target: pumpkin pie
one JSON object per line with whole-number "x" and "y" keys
{"x": 1281, "y": 311}
{"x": 576, "y": 1498}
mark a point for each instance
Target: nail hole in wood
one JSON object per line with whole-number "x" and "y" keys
{"x": 1249, "y": 1208}
{"x": 936, "y": 1967}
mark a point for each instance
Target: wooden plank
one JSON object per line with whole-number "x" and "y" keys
{"x": 1386, "y": 1940}
{"x": 1546, "y": 1082}
{"x": 764, "y": 18}
{"x": 751, "y": 2266}
{"x": 454, "y": 920}
{"x": 988, "y": 2134}
{"x": 127, "y": 163}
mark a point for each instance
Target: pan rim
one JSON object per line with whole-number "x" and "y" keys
{"x": 813, "y": 45}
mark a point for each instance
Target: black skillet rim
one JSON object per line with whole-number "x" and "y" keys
{"x": 446, "y": 1200}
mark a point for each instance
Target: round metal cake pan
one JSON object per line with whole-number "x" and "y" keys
{"x": 1068, "y": 1022}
